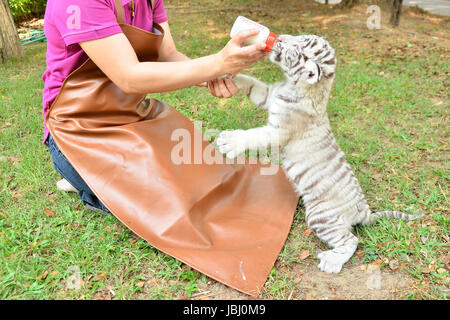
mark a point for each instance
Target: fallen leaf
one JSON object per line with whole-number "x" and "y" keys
{"x": 111, "y": 290}
{"x": 307, "y": 232}
{"x": 140, "y": 284}
{"x": 49, "y": 212}
{"x": 204, "y": 298}
{"x": 104, "y": 295}
{"x": 305, "y": 254}
{"x": 15, "y": 160}
{"x": 42, "y": 276}
{"x": 447, "y": 259}
{"x": 394, "y": 265}
{"x": 308, "y": 297}
{"x": 441, "y": 270}
{"x": 377, "y": 263}
{"x": 360, "y": 254}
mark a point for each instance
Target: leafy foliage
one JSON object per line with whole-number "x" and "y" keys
{"x": 26, "y": 9}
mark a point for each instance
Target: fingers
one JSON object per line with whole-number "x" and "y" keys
{"x": 213, "y": 88}
{"x": 232, "y": 89}
{"x": 251, "y": 60}
{"x": 256, "y": 57}
{"x": 217, "y": 89}
{"x": 253, "y": 49}
{"x": 240, "y": 37}
{"x": 222, "y": 88}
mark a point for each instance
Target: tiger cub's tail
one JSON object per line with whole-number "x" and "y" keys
{"x": 395, "y": 215}
{"x": 370, "y": 218}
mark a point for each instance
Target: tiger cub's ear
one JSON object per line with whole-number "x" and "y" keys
{"x": 312, "y": 72}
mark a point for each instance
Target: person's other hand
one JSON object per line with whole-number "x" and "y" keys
{"x": 222, "y": 88}
{"x": 234, "y": 58}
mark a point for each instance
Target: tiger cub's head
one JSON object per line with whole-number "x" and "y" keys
{"x": 305, "y": 60}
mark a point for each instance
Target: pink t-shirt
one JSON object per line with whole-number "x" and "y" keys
{"x": 68, "y": 22}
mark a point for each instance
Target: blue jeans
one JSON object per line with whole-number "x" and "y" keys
{"x": 68, "y": 172}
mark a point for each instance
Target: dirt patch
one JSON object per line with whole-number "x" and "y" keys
{"x": 359, "y": 282}
{"x": 366, "y": 282}
{"x": 218, "y": 291}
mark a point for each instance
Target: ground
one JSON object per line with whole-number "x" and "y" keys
{"x": 389, "y": 112}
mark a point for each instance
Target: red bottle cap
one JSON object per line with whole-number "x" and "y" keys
{"x": 270, "y": 41}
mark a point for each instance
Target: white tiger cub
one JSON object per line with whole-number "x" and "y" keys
{"x": 298, "y": 124}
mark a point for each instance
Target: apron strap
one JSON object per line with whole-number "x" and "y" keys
{"x": 152, "y": 5}
{"x": 119, "y": 9}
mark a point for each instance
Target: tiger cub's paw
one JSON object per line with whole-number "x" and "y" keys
{"x": 242, "y": 82}
{"x": 230, "y": 143}
{"x": 330, "y": 262}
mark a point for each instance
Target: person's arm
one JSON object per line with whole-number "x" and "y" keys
{"x": 168, "y": 51}
{"x": 115, "y": 56}
{"x": 221, "y": 88}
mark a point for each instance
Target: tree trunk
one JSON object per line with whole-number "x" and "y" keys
{"x": 10, "y": 45}
{"x": 395, "y": 13}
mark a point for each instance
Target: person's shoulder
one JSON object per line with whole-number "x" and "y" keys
{"x": 58, "y": 8}
{"x": 80, "y": 3}
{"x": 81, "y": 20}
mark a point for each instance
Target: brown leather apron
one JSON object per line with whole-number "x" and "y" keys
{"x": 227, "y": 222}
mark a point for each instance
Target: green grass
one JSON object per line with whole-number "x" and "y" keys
{"x": 386, "y": 116}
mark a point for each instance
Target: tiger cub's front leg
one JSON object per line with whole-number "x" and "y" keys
{"x": 234, "y": 142}
{"x": 255, "y": 90}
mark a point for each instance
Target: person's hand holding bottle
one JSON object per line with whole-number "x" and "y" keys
{"x": 234, "y": 58}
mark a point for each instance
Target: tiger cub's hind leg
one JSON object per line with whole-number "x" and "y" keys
{"x": 344, "y": 244}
